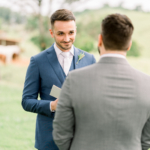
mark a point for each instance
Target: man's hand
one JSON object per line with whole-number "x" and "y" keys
{"x": 54, "y": 105}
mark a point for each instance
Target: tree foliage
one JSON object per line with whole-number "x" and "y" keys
{"x": 135, "y": 50}
{"x": 138, "y": 8}
{"x": 71, "y": 1}
{"x": 9, "y": 16}
{"x": 84, "y": 42}
{"x": 47, "y": 41}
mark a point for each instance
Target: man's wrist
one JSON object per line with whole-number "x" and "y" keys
{"x": 51, "y": 109}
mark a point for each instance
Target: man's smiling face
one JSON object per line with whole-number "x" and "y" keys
{"x": 64, "y": 33}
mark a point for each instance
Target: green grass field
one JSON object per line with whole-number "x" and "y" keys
{"x": 17, "y": 127}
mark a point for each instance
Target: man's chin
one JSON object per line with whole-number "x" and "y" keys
{"x": 66, "y": 48}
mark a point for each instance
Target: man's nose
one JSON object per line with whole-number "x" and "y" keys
{"x": 66, "y": 38}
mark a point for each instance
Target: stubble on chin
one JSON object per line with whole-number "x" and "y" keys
{"x": 64, "y": 48}
{"x": 67, "y": 46}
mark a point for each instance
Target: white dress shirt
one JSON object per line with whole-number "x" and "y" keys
{"x": 60, "y": 58}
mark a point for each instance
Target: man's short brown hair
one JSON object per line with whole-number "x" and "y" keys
{"x": 61, "y": 15}
{"x": 116, "y": 31}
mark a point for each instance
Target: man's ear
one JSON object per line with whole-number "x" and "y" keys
{"x": 75, "y": 31}
{"x": 100, "y": 40}
{"x": 51, "y": 33}
{"x": 129, "y": 46}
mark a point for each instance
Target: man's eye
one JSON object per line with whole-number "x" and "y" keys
{"x": 60, "y": 33}
{"x": 71, "y": 32}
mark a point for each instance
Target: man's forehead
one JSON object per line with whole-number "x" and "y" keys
{"x": 63, "y": 25}
{"x": 64, "y": 22}
{"x": 65, "y": 30}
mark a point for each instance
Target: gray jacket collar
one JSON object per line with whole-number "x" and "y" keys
{"x": 113, "y": 60}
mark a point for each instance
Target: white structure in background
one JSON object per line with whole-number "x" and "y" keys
{"x": 9, "y": 48}
{"x": 9, "y": 51}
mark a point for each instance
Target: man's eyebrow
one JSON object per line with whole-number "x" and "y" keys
{"x": 63, "y": 31}
{"x": 60, "y": 32}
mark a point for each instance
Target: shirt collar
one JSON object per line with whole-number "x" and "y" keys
{"x": 113, "y": 55}
{"x": 58, "y": 51}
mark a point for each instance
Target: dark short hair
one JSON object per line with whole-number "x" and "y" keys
{"x": 61, "y": 15}
{"x": 116, "y": 32}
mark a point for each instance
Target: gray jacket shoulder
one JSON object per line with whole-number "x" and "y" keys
{"x": 141, "y": 75}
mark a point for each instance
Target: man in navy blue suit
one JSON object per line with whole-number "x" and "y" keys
{"x": 49, "y": 68}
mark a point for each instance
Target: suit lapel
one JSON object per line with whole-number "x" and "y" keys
{"x": 53, "y": 60}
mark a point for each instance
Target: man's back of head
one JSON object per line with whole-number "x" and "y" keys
{"x": 116, "y": 33}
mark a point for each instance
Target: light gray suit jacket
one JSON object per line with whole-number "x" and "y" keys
{"x": 105, "y": 106}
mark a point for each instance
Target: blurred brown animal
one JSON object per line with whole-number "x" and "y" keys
{"x": 3, "y": 58}
{"x": 10, "y": 52}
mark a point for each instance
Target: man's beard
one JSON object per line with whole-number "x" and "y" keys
{"x": 64, "y": 48}
{"x": 99, "y": 50}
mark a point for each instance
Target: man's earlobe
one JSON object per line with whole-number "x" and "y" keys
{"x": 75, "y": 32}
{"x": 129, "y": 46}
{"x": 99, "y": 40}
{"x": 51, "y": 33}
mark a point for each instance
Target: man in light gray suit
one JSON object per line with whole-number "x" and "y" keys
{"x": 105, "y": 106}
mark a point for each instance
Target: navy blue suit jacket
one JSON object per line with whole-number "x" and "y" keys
{"x": 43, "y": 72}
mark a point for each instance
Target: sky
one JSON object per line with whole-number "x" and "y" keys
{"x": 130, "y": 4}
{"x": 90, "y": 4}
{"x": 95, "y": 4}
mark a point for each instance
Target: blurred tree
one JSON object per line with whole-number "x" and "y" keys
{"x": 0, "y": 23}
{"x": 135, "y": 50}
{"x": 73, "y": 5}
{"x": 5, "y": 14}
{"x": 106, "y": 5}
{"x": 71, "y": 1}
{"x": 9, "y": 16}
{"x": 138, "y": 8}
{"x": 92, "y": 28}
{"x": 47, "y": 41}
{"x": 84, "y": 42}
{"x": 120, "y": 5}
{"x": 32, "y": 23}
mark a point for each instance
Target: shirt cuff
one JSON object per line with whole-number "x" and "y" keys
{"x": 51, "y": 109}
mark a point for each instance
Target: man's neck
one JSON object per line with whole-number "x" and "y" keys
{"x": 58, "y": 51}
{"x": 114, "y": 52}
